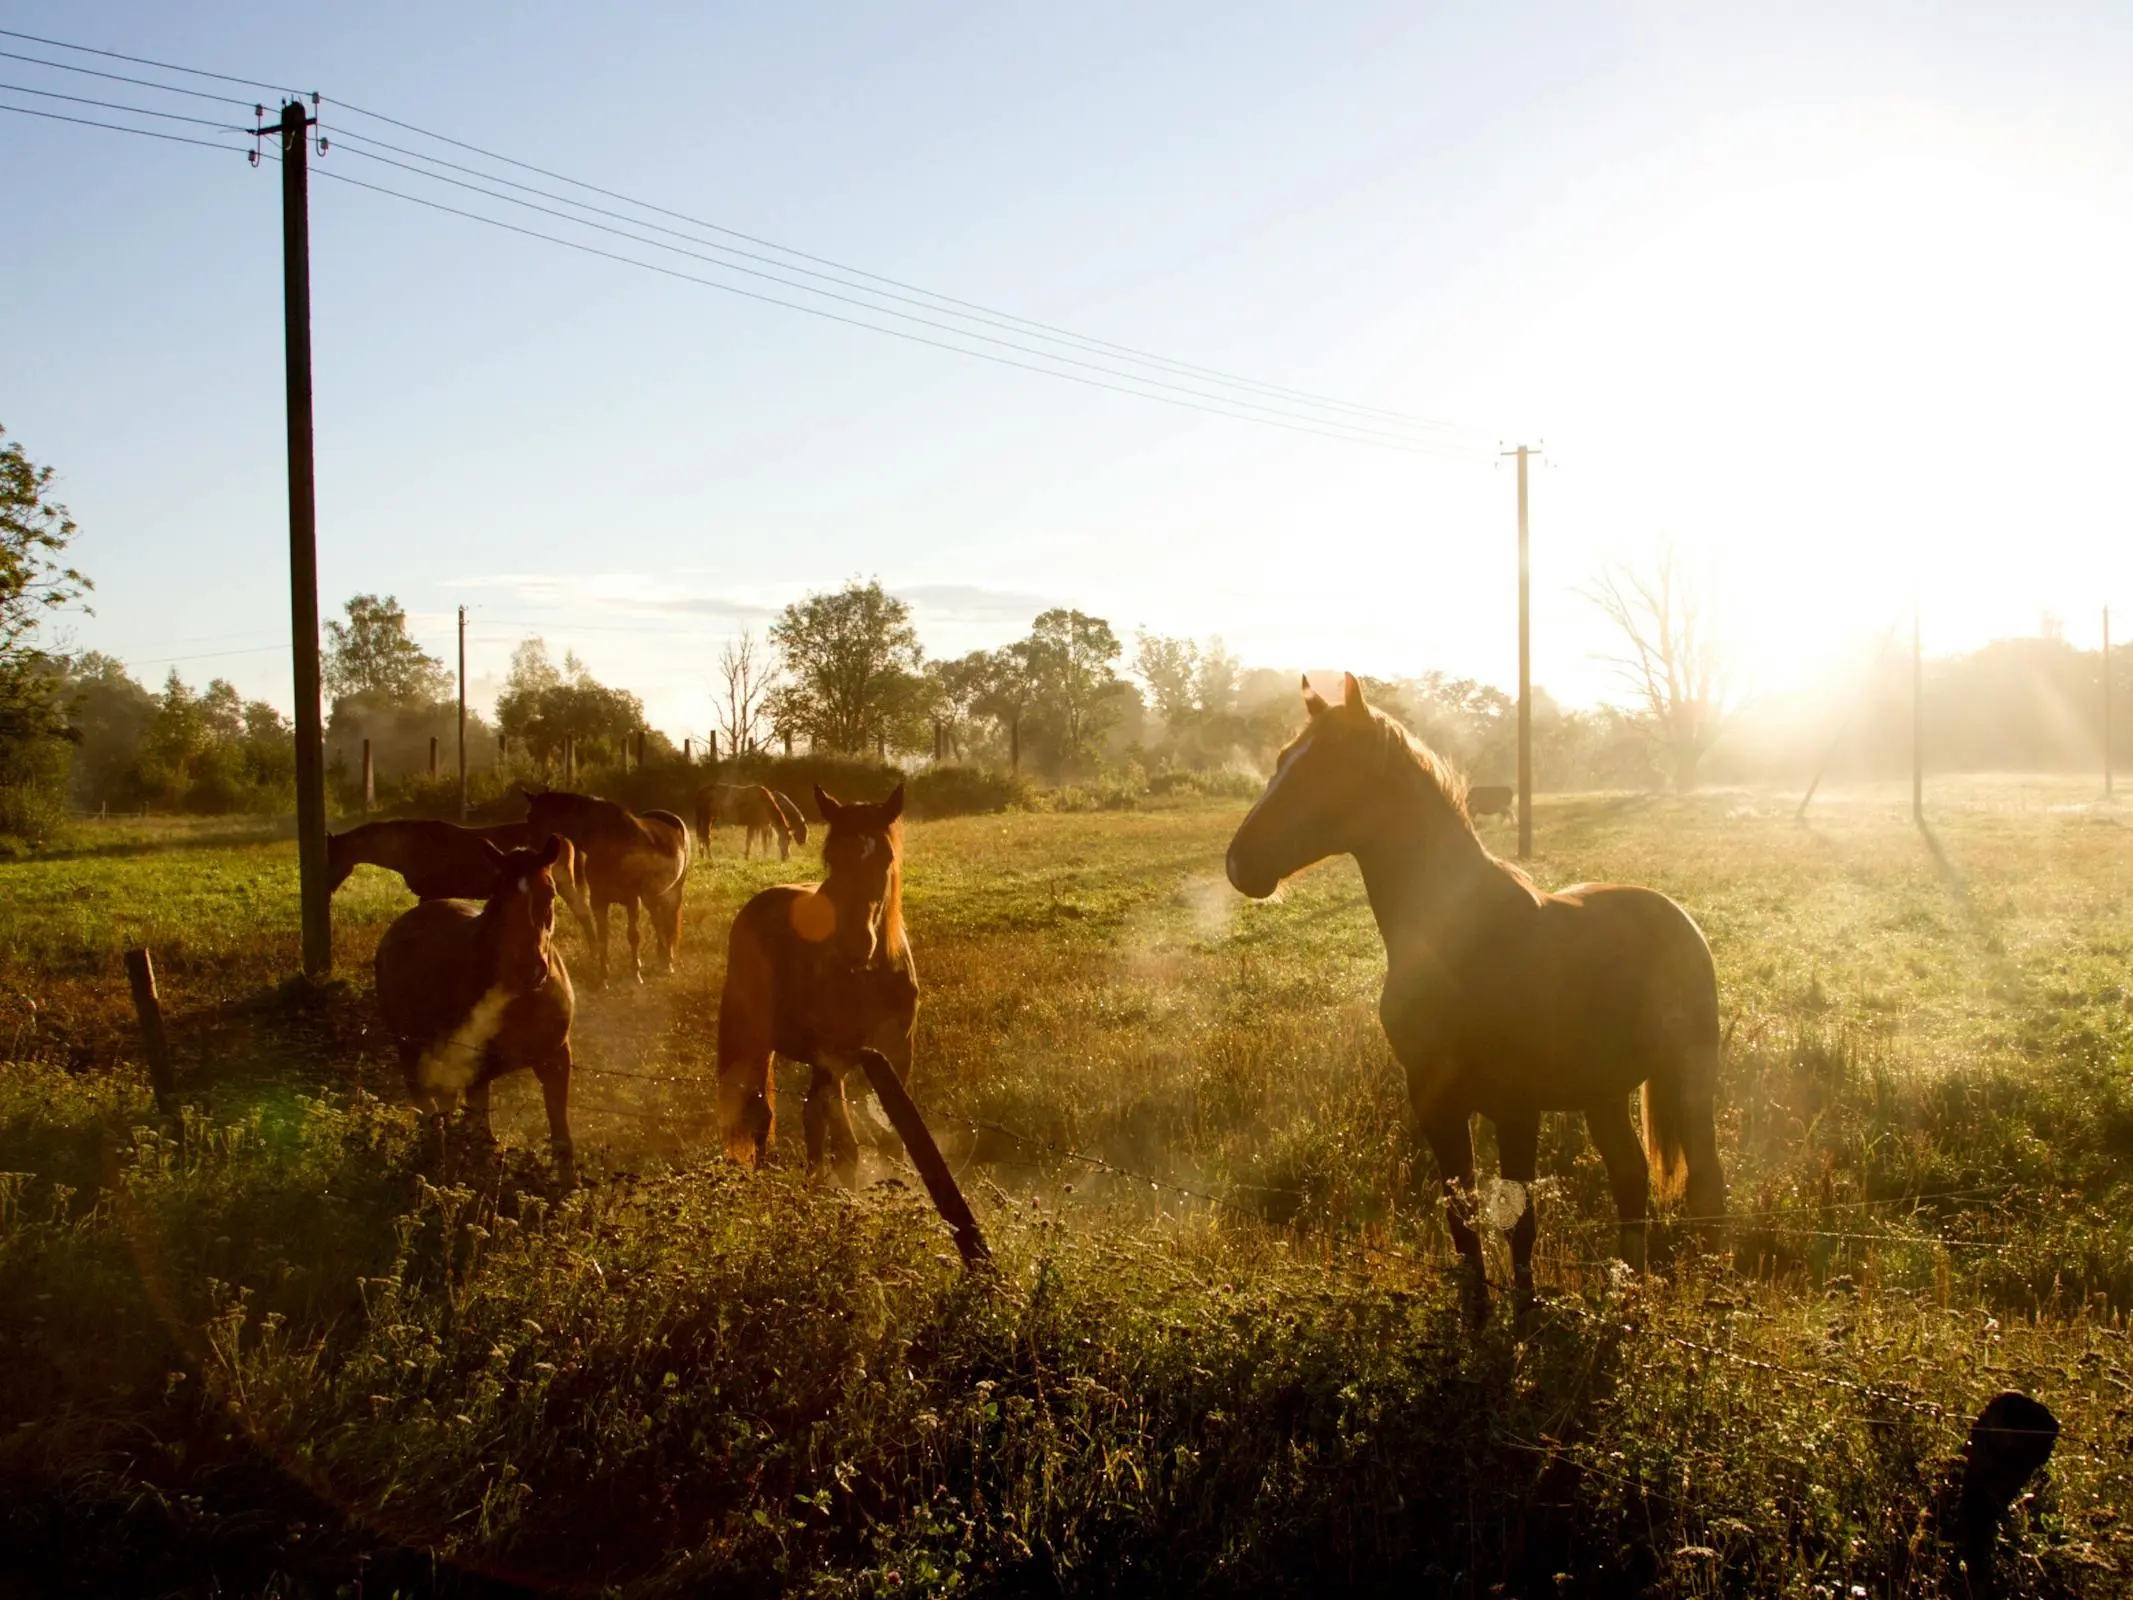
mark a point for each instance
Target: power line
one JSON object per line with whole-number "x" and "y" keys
{"x": 1357, "y": 429}
{"x": 144, "y": 61}
{"x": 119, "y": 77}
{"x": 120, "y": 127}
{"x": 932, "y": 301}
{"x": 871, "y": 327}
{"x": 117, "y": 105}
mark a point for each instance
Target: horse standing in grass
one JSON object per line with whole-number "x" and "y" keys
{"x": 751, "y": 806}
{"x": 443, "y": 861}
{"x": 471, "y": 993}
{"x": 817, "y": 973}
{"x": 1499, "y": 998}
{"x": 630, "y": 860}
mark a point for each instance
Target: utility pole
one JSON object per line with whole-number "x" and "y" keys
{"x": 1525, "y": 666}
{"x": 313, "y": 893}
{"x": 1918, "y": 721}
{"x": 462, "y": 715}
{"x": 2107, "y": 702}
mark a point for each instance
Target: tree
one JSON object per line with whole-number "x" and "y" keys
{"x": 1170, "y": 668}
{"x": 1070, "y": 656}
{"x": 958, "y": 689}
{"x": 1665, "y": 610}
{"x": 541, "y": 706}
{"x": 35, "y": 531}
{"x": 1007, "y": 689}
{"x": 746, "y": 681}
{"x": 851, "y": 664}
{"x": 371, "y": 658}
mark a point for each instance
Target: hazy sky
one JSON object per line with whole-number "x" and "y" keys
{"x": 1837, "y": 295}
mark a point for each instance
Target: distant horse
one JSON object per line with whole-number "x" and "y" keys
{"x": 629, "y": 860}
{"x": 1499, "y": 998}
{"x": 817, "y": 973}
{"x": 443, "y": 861}
{"x": 472, "y": 993}
{"x": 753, "y": 807}
{"x": 1490, "y": 800}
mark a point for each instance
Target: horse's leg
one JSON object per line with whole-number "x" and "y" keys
{"x": 829, "y": 1128}
{"x": 600, "y": 904}
{"x": 666, "y": 923}
{"x": 636, "y": 966}
{"x": 746, "y": 1099}
{"x": 1451, "y": 1141}
{"x": 554, "y": 1074}
{"x": 476, "y": 1114}
{"x": 1614, "y": 1135}
{"x": 1518, "y": 1145}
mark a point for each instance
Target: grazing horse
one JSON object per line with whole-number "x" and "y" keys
{"x": 1499, "y": 998}
{"x": 1490, "y": 800}
{"x": 629, "y": 860}
{"x": 471, "y": 993}
{"x": 818, "y": 973}
{"x": 754, "y": 808}
{"x": 443, "y": 861}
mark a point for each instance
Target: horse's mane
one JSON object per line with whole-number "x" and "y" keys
{"x": 1445, "y": 790}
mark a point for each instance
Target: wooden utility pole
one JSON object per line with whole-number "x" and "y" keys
{"x": 313, "y": 893}
{"x": 2107, "y": 702}
{"x": 1918, "y": 721}
{"x": 463, "y": 715}
{"x": 1525, "y": 666}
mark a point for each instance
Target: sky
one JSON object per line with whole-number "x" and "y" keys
{"x": 1831, "y": 296}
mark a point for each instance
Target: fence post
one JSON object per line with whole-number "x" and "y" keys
{"x": 370, "y": 783}
{"x": 148, "y": 1011}
{"x": 433, "y": 755}
{"x": 926, "y": 1156}
{"x": 687, "y": 748}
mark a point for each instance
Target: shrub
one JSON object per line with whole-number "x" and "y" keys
{"x": 966, "y": 792}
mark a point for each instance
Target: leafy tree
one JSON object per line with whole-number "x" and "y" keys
{"x": 213, "y": 751}
{"x": 110, "y": 712}
{"x": 852, "y": 670}
{"x": 1007, "y": 691}
{"x": 1170, "y": 668}
{"x": 541, "y": 706}
{"x": 35, "y": 531}
{"x": 958, "y": 689}
{"x": 371, "y": 658}
{"x": 1070, "y": 656}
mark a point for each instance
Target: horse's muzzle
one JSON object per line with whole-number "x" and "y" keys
{"x": 1244, "y": 880}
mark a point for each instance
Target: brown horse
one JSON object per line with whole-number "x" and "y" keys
{"x": 1500, "y": 999}
{"x": 630, "y": 860}
{"x": 753, "y": 807}
{"x": 817, "y": 973}
{"x": 471, "y": 993}
{"x": 443, "y": 861}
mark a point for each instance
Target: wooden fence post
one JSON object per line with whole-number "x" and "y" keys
{"x": 926, "y": 1156}
{"x": 370, "y": 780}
{"x": 433, "y": 755}
{"x": 688, "y": 747}
{"x": 148, "y": 1011}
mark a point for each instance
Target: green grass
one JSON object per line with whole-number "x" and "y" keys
{"x": 300, "y": 1348}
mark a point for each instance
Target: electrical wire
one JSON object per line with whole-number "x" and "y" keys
{"x": 119, "y": 77}
{"x": 871, "y": 327}
{"x": 116, "y": 105}
{"x": 932, "y": 301}
{"x": 142, "y": 61}
{"x": 120, "y": 127}
{"x": 1357, "y": 429}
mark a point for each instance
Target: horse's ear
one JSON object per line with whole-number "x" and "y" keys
{"x": 826, "y": 804}
{"x": 1314, "y": 702}
{"x": 496, "y": 856}
{"x": 552, "y": 849}
{"x": 1352, "y": 693}
{"x": 893, "y": 807}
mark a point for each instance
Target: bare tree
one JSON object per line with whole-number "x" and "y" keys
{"x": 1666, "y": 609}
{"x": 743, "y": 709}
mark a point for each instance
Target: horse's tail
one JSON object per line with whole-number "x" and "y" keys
{"x": 1680, "y": 1112}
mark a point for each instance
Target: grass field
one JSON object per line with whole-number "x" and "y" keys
{"x": 1221, "y": 1352}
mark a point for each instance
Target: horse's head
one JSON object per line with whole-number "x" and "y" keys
{"x": 1323, "y": 783}
{"x": 862, "y": 853}
{"x": 523, "y": 910}
{"x": 706, "y": 815}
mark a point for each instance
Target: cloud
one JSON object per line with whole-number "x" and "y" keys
{"x": 965, "y": 602}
